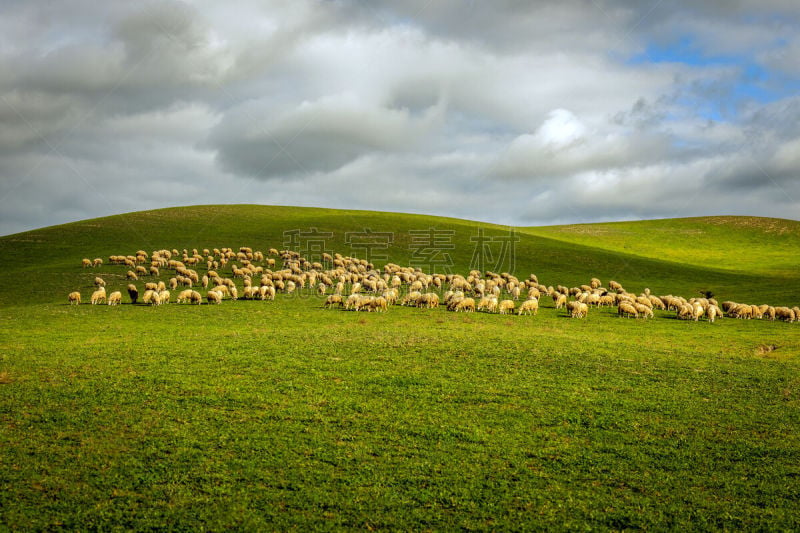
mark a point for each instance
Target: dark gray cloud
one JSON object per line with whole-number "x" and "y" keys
{"x": 509, "y": 111}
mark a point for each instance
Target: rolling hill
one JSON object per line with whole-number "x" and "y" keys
{"x": 737, "y": 258}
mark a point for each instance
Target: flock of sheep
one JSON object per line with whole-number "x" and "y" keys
{"x": 354, "y": 284}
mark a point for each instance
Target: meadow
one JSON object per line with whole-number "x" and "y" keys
{"x": 284, "y": 415}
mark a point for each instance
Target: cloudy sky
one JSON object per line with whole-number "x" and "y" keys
{"x": 516, "y": 112}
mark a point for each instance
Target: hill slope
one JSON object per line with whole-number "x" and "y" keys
{"x": 49, "y": 258}
{"x": 751, "y": 244}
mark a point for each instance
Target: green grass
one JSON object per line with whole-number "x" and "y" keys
{"x": 285, "y": 416}
{"x": 740, "y": 244}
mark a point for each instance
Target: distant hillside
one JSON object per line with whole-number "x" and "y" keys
{"x": 745, "y": 244}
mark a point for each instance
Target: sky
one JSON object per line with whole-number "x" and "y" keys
{"x": 513, "y": 112}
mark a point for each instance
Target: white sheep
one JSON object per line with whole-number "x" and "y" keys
{"x": 627, "y": 309}
{"x": 506, "y": 306}
{"x": 214, "y": 297}
{"x": 643, "y": 310}
{"x": 531, "y": 305}
{"x": 577, "y": 309}
{"x": 465, "y": 304}
{"x": 74, "y": 298}
{"x": 99, "y": 296}
{"x": 713, "y": 312}
{"x": 150, "y": 297}
{"x": 352, "y": 301}
{"x": 333, "y": 299}
{"x": 115, "y": 298}
{"x": 184, "y": 296}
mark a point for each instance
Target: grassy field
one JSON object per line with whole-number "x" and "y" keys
{"x": 286, "y": 416}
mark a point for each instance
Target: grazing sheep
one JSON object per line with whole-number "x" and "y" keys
{"x": 173, "y": 283}
{"x": 214, "y": 297}
{"x": 141, "y": 271}
{"x": 429, "y": 300}
{"x": 657, "y": 303}
{"x": 97, "y": 262}
{"x": 466, "y": 305}
{"x": 222, "y": 290}
{"x": 595, "y": 283}
{"x": 164, "y": 296}
{"x": 115, "y": 298}
{"x": 363, "y": 302}
{"x": 132, "y": 275}
{"x": 592, "y": 299}
{"x": 506, "y": 306}
{"x": 151, "y": 297}
{"x": 560, "y": 300}
{"x": 529, "y": 306}
{"x": 333, "y": 299}
{"x": 627, "y": 309}
{"x": 713, "y": 312}
{"x": 391, "y": 295}
{"x": 411, "y": 298}
{"x": 154, "y": 271}
{"x": 686, "y": 312}
{"x": 352, "y": 301}
{"x": 267, "y": 292}
{"x": 614, "y": 286}
{"x": 577, "y": 309}
{"x": 98, "y": 282}
{"x": 133, "y": 292}
{"x": 86, "y": 263}
{"x": 98, "y": 296}
{"x": 785, "y": 314}
{"x": 378, "y": 304}
{"x": 483, "y": 303}
{"x": 196, "y": 298}
{"x": 606, "y": 300}
{"x": 184, "y": 296}
{"x": 643, "y": 310}
{"x": 74, "y": 298}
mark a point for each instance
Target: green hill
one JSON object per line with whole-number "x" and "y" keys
{"x": 735, "y": 258}
{"x": 737, "y": 244}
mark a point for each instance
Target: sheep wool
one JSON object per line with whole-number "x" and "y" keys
{"x": 98, "y": 296}
{"x": 115, "y": 298}
{"x": 529, "y": 306}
